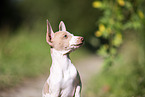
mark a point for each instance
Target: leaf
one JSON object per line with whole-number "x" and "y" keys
{"x": 117, "y": 40}
{"x": 103, "y": 51}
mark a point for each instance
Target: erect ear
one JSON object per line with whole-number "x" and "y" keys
{"x": 62, "y": 26}
{"x": 49, "y": 34}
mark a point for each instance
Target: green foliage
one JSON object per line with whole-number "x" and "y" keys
{"x": 122, "y": 24}
{"x": 118, "y": 16}
{"x": 22, "y": 56}
{"x": 123, "y": 79}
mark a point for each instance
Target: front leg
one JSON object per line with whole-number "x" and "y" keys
{"x": 45, "y": 89}
{"x": 78, "y": 91}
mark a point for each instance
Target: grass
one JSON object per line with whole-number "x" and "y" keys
{"x": 25, "y": 55}
{"x": 22, "y": 56}
{"x": 125, "y": 78}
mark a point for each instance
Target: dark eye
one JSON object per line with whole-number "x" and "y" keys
{"x": 65, "y": 36}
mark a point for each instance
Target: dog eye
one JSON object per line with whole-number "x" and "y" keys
{"x": 65, "y": 36}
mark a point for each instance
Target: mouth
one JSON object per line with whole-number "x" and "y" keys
{"x": 80, "y": 44}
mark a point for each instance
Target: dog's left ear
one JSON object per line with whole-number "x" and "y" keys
{"x": 62, "y": 26}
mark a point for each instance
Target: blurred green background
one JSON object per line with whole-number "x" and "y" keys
{"x": 113, "y": 29}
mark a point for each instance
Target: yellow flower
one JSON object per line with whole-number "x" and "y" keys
{"x": 140, "y": 13}
{"x": 97, "y": 4}
{"x": 101, "y": 27}
{"x": 98, "y": 33}
{"x": 121, "y": 2}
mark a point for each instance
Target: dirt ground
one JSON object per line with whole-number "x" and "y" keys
{"x": 87, "y": 68}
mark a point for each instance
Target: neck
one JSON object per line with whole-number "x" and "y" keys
{"x": 60, "y": 58}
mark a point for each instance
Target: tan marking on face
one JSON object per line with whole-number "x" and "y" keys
{"x": 61, "y": 40}
{"x": 46, "y": 88}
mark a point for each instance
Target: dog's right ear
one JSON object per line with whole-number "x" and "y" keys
{"x": 49, "y": 34}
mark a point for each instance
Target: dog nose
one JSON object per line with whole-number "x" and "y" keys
{"x": 82, "y": 39}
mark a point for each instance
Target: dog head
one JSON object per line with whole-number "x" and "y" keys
{"x": 62, "y": 40}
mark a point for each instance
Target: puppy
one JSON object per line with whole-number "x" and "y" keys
{"x": 64, "y": 79}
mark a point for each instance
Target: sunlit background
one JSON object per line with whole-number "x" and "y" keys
{"x": 113, "y": 30}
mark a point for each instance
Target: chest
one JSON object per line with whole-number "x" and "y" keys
{"x": 64, "y": 73}
{"x": 69, "y": 75}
